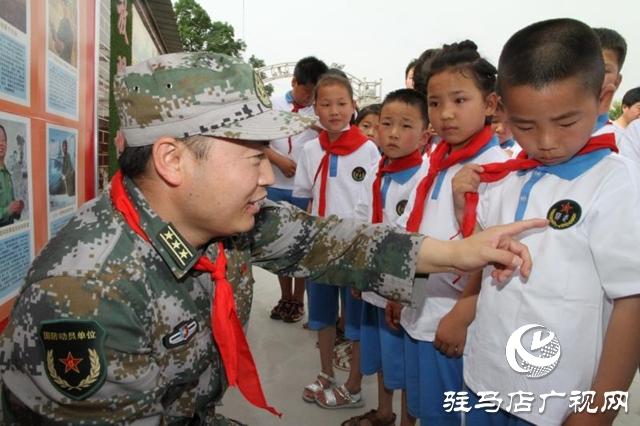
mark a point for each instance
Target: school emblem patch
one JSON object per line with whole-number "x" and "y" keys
{"x": 564, "y": 214}
{"x": 402, "y": 204}
{"x": 74, "y": 356}
{"x": 261, "y": 92}
{"x": 358, "y": 174}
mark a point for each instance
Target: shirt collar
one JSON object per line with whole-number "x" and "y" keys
{"x": 289, "y": 97}
{"x": 575, "y": 166}
{"x": 403, "y": 176}
{"x": 176, "y": 252}
{"x": 601, "y": 121}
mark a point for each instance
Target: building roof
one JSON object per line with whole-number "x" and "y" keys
{"x": 162, "y": 22}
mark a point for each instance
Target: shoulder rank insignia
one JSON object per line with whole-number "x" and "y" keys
{"x": 178, "y": 248}
{"x": 564, "y": 214}
{"x": 74, "y": 356}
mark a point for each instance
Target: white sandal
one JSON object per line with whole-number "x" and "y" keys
{"x": 318, "y": 386}
{"x": 350, "y": 400}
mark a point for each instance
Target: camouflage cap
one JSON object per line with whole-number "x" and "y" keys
{"x": 189, "y": 93}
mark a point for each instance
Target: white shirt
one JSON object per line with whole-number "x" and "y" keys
{"x": 577, "y": 273}
{"x": 630, "y": 145}
{"x": 281, "y": 146}
{"x": 398, "y": 188}
{"x": 433, "y": 297}
{"x": 346, "y": 177}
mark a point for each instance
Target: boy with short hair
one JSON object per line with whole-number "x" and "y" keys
{"x": 402, "y": 131}
{"x": 577, "y": 314}
{"x": 614, "y": 52}
{"x": 283, "y": 154}
{"x": 630, "y": 108}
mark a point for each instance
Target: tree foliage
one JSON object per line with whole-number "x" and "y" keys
{"x": 615, "y": 111}
{"x": 199, "y": 33}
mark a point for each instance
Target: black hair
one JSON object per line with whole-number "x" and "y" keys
{"x": 410, "y": 97}
{"x": 423, "y": 64}
{"x": 5, "y": 133}
{"x": 612, "y": 40}
{"x": 464, "y": 57}
{"x": 411, "y": 64}
{"x": 333, "y": 76}
{"x": 134, "y": 160}
{"x": 367, "y": 110}
{"x": 551, "y": 51}
{"x": 631, "y": 97}
{"x": 308, "y": 70}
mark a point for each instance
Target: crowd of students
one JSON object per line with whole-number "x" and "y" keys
{"x": 469, "y": 146}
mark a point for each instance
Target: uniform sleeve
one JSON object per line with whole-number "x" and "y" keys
{"x": 630, "y": 148}
{"x": 614, "y": 232}
{"x": 379, "y": 258}
{"x": 303, "y": 182}
{"x": 112, "y": 377}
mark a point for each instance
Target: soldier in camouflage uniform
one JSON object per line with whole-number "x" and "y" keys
{"x": 112, "y": 325}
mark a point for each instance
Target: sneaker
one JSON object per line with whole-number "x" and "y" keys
{"x": 294, "y": 313}
{"x": 278, "y": 310}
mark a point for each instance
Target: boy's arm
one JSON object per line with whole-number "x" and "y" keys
{"x": 619, "y": 361}
{"x": 451, "y": 334}
{"x": 286, "y": 165}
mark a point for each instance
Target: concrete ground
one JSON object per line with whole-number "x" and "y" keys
{"x": 287, "y": 360}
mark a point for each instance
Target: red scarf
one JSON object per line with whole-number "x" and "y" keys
{"x": 495, "y": 171}
{"x": 438, "y": 161}
{"x": 347, "y": 143}
{"x": 225, "y": 325}
{"x": 294, "y": 108}
{"x": 412, "y": 160}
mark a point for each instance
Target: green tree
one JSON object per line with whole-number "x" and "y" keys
{"x": 615, "y": 111}
{"x": 198, "y": 32}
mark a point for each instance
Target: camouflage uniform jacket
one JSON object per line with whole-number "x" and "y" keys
{"x": 157, "y": 363}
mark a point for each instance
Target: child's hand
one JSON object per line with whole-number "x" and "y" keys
{"x": 392, "y": 314}
{"x": 451, "y": 335}
{"x": 466, "y": 180}
{"x": 356, "y": 293}
{"x": 287, "y": 166}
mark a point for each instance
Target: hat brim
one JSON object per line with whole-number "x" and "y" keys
{"x": 266, "y": 126}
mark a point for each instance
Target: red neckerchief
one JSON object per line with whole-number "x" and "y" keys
{"x": 348, "y": 142}
{"x": 438, "y": 163}
{"x": 225, "y": 325}
{"x": 495, "y": 171}
{"x": 294, "y": 108}
{"x": 412, "y": 160}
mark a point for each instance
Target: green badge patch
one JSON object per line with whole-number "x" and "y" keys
{"x": 564, "y": 214}
{"x": 74, "y": 356}
{"x": 261, "y": 91}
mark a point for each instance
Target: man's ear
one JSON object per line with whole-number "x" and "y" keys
{"x": 606, "y": 96}
{"x": 168, "y": 160}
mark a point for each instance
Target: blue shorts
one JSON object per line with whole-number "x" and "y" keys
{"x": 381, "y": 347}
{"x": 481, "y": 417}
{"x": 428, "y": 375}
{"x": 324, "y": 304}
{"x": 281, "y": 194}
